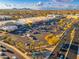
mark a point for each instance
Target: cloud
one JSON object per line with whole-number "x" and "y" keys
{"x": 39, "y": 4}
{"x": 59, "y": 7}
{"x": 49, "y": 5}
{"x": 62, "y": 1}
{"x": 5, "y": 6}
{"x": 8, "y": 5}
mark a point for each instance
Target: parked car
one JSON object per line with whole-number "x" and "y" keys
{"x": 76, "y": 42}
{"x": 6, "y": 57}
{"x": 10, "y": 51}
{"x": 2, "y": 46}
{"x": 4, "y": 50}
{"x": 2, "y": 54}
{"x": 14, "y": 57}
{"x": 74, "y": 47}
{"x": 64, "y": 47}
{"x": 62, "y": 56}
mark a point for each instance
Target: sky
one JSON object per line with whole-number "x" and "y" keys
{"x": 40, "y": 4}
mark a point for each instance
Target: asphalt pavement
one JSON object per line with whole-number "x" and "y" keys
{"x": 72, "y": 53}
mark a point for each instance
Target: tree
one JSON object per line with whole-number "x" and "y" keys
{"x": 20, "y": 45}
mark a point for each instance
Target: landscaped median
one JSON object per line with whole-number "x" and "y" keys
{"x": 52, "y": 39}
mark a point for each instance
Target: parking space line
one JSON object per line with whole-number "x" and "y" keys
{"x": 69, "y": 45}
{"x": 55, "y": 46}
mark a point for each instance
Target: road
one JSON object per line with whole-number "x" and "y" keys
{"x": 15, "y": 50}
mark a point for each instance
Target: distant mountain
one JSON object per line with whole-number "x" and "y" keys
{"x": 22, "y": 9}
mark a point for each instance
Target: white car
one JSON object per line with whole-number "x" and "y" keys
{"x": 14, "y": 57}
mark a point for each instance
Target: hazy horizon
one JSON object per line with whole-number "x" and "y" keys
{"x": 40, "y": 4}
